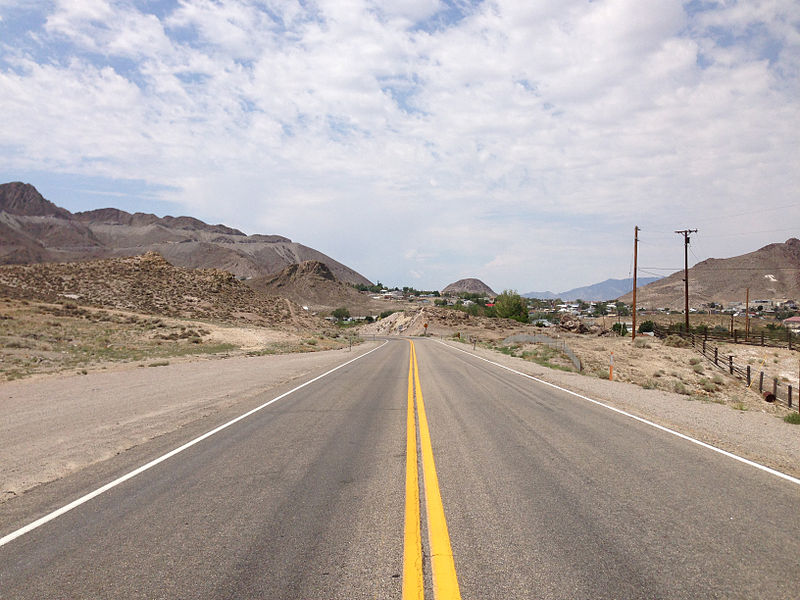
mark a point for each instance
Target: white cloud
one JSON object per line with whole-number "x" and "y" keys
{"x": 482, "y": 144}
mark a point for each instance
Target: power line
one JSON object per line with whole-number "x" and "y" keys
{"x": 748, "y": 212}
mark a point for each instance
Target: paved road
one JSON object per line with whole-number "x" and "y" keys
{"x": 545, "y": 495}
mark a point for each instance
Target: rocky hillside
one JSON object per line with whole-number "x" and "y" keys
{"x": 33, "y": 230}
{"x": 148, "y": 284}
{"x": 470, "y": 286}
{"x": 311, "y": 283}
{"x": 770, "y": 272}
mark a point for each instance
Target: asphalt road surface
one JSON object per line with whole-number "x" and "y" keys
{"x": 541, "y": 494}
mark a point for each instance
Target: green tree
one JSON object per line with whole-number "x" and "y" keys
{"x": 600, "y": 309}
{"x": 510, "y": 305}
{"x": 341, "y": 313}
{"x": 623, "y": 310}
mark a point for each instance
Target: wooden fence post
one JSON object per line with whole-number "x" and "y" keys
{"x": 790, "y": 396}
{"x": 761, "y": 382}
{"x": 748, "y": 375}
{"x": 730, "y": 363}
{"x": 775, "y": 387}
{"x": 716, "y": 358}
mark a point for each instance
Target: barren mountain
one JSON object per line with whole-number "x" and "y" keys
{"x": 470, "y": 286}
{"x": 148, "y": 284}
{"x": 311, "y": 283}
{"x": 605, "y": 290}
{"x": 33, "y": 229}
{"x": 770, "y": 272}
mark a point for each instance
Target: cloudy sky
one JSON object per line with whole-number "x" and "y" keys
{"x": 420, "y": 141}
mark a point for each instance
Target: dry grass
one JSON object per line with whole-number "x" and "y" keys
{"x": 653, "y": 364}
{"x": 39, "y": 338}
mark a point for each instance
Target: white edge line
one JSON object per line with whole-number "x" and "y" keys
{"x": 640, "y": 419}
{"x": 83, "y": 499}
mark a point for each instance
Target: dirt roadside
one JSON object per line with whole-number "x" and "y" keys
{"x": 57, "y": 425}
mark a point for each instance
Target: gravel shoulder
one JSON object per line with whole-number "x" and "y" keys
{"x": 54, "y": 426}
{"x": 758, "y": 435}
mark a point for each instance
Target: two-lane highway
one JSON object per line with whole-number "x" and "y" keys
{"x": 544, "y": 495}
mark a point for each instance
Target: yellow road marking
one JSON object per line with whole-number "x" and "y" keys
{"x": 413, "y": 582}
{"x": 445, "y": 582}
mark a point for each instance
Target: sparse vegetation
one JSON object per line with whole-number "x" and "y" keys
{"x": 679, "y": 388}
{"x": 792, "y": 418}
{"x": 510, "y": 305}
{"x": 646, "y": 327}
{"x": 341, "y": 313}
{"x": 676, "y": 341}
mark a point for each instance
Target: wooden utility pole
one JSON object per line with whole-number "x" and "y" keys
{"x": 635, "y": 261}
{"x": 747, "y": 315}
{"x": 685, "y": 233}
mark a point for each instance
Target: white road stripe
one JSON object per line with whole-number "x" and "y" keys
{"x": 83, "y": 499}
{"x": 640, "y": 419}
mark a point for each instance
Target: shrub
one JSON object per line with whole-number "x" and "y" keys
{"x": 510, "y": 305}
{"x": 676, "y": 341}
{"x": 708, "y": 386}
{"x": 620, "y": 328}
{"x": 647, "y": 327}
{"x": 341, "y": 313}
{"x": 386, "y": 313}
{"x": 680, "y": 388}
{"x": 792, "y": 418}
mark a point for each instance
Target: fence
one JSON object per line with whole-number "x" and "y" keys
{"x": 771, "y": 338}
{"x": 559, "y": 345}
{"x": 771, "y": 388}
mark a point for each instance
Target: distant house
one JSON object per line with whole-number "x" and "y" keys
{"x": 792, "y": 323}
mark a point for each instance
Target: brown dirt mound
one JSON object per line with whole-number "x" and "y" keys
{"x": 149, "y": 284}
{"x": 312, "y": 283}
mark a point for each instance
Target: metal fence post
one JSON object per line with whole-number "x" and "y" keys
{"x": 775, "y": 387}
{"x": 730, "y": 363}
{"x": 790, "y": 396}
{"x": 761, "y": 382}
{"x": 748, "y": 375}
{"x": 716, "y": 357}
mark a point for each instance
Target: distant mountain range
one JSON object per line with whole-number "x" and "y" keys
{"x": 770, "y": 272}
{"x": 603, "y": 291}
{"x": 34, "y": 230}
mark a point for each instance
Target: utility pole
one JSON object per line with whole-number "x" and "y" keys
{"x": 685, "y": 233}
{"x": 747, "y": 315}
{"x": 635, "y": 261}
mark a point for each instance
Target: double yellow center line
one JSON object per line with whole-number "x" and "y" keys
{"x": 445, "y": 583}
